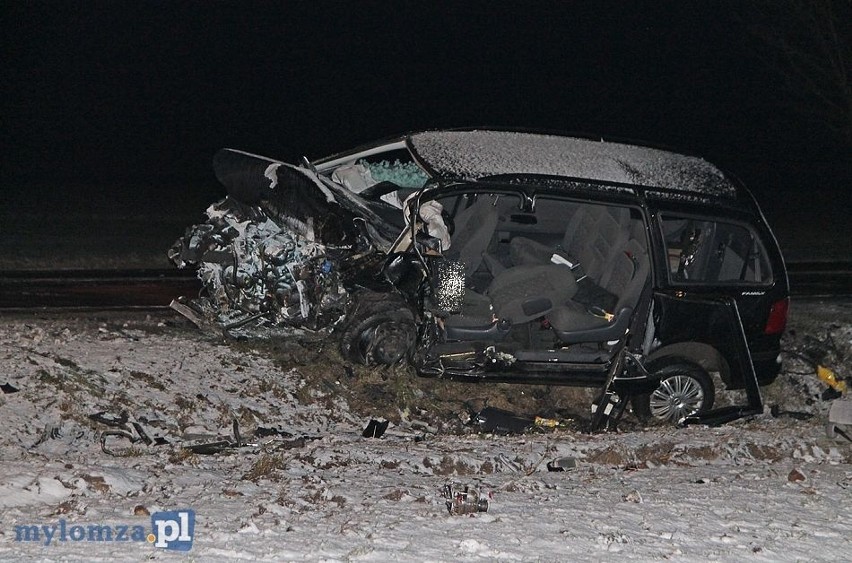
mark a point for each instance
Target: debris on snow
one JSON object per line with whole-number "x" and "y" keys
{"x": 343, "y": 497}
{"x": 375, "y": 428}
{"x": 466, "y": 501}
{"x": 562, "y": 464}
{"x": 830, "y": 378}
{"x": 840, "y": 419}
{"x": 499, "y": 421}
{"x": 796, "y": 476}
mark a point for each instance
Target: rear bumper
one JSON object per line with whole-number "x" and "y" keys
{"x": 767, "y": 366}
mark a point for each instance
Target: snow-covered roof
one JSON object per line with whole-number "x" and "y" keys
{"x": 478, "y": 154}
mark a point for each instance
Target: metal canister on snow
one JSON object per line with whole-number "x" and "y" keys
{"x": 468, "y": 501}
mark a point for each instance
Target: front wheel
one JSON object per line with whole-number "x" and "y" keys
{"x": 379, "y": 329}
{"x": 685, "y": 389}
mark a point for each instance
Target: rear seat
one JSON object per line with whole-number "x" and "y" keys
{"x": 625, "y": 276}
{"x": 524, "y": 293}
{"x": 594, "y": 234}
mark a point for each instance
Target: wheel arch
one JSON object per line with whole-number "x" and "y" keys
{"x": 702, "y": 354}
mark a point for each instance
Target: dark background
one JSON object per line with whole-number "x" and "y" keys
{"x": 112, "y": 111}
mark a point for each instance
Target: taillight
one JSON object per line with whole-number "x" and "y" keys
{"x": 777, "y": 321}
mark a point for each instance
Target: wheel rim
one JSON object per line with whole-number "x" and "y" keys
{"x": 677, "y": 397}
{"x": 386, "y": 343}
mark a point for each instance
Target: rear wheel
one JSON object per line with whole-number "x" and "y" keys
{"x": 685, "y": 389}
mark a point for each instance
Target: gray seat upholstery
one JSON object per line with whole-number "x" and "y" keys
{"x": 474, "y": 228}
{"x": 516, "y": 296}
{"x": 524, "y": 293}
{"x": 476, "y": 311}
{"x": 594, "y": 234}
{"x": 624, "y": 275}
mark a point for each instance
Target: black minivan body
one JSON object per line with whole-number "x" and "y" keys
{"x": 511, "y": 256}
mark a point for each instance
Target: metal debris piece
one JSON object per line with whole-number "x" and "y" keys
{"x": 375, "y": 428}
{"x": 115, "y": 420}
{"x": 424, "y": 426}
{"x": 212, "y": 447}
{"x": 8, "y": 388}
{"x": 467, "y": 501}
{"x": 221, "y": 445}
{"x": 633, "y": 496}
{"x": 562, "y": 464}
{"x": 225, "y": 445}
{"x": 776, "y": 412}
{"x": 121, "y": 426}
{"x": 50, "y": 432}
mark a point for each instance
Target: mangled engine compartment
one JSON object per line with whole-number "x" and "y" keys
{"x": 255, "y": 269}
{"x": 280, "y": 250}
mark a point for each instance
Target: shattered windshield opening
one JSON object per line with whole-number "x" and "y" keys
{"x": 390, "y": 176}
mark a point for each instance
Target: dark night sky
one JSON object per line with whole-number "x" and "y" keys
{"x": 123, "y": 104}
{"x": 136, "y": 90}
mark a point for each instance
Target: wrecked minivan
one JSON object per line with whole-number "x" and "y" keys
{"x": 506, "y": 256}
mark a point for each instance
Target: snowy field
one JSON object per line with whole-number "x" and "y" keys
{"x": 312, "y": 488}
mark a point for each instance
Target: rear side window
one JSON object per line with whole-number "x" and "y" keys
{"x": 701, "y": 250}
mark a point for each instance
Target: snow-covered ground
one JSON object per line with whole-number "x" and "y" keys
{"x": 767, "y": 489}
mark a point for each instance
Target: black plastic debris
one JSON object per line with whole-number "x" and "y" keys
{"x": 776, "y": 412}
{"x": 212, "y": 447}
{"x": 8, "y": 388}
{"x": 830, "y": 394}
{"x": 562, "y": 464}
{"x": 466, "y": 501}
{"x": 375, "y": 428}
{"x": 263, "y": 432}
{"x": 499, "y": 421}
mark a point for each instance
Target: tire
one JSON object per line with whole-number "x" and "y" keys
{"x": 379, "y": 329}
{"x": 685, "y": 389}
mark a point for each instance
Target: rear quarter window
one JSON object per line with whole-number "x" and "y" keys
{"x": 711, "y": 251}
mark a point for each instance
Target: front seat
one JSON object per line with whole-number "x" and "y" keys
{"x": 516, "y": 296}
{"x": 474, "y": 228}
